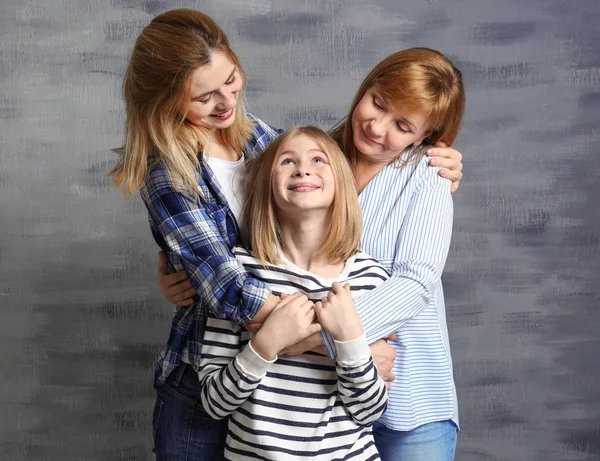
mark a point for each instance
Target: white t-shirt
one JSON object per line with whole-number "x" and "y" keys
{"x": 230, "y": 176}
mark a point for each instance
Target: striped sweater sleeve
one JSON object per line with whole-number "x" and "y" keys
{"x": 229, "y": 372}
{"x": 361, "y": 390}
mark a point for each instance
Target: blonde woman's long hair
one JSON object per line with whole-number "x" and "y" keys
{"x": 260, "y": 229}
{"x": 157, "y": 92}
{"x": 416, "y": 79}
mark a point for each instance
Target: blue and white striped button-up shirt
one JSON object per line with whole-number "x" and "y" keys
{"x": 407, "y": 225}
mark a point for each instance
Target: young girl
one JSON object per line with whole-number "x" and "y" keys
{"x": 302, "y": 222}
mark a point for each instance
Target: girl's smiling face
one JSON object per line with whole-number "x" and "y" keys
{"x": 381, "y": 132}
{"x": 302, "y": 178}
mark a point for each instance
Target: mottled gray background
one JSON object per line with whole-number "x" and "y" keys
{"x": 81, "y": 320}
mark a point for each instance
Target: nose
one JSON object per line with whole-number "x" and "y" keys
{"x": 302, "y": 169}
{"x": 377, "y": 127}
{"x": 227, "y": 99}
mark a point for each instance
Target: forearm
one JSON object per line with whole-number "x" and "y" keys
{"x": 360, "y": 388}
{"x": 225, "y": 288}
{"x": 400, "y": 301}
{"x": 224, "y": 389}
{"x": 192, "y": 239}
{"x": 266, "y": 309}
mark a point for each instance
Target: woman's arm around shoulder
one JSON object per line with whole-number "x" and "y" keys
{"x": 187, "y": 229}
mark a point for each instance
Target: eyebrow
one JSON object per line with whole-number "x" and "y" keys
{"x": 212, "y": 91}
{"x": 293, "y": 152}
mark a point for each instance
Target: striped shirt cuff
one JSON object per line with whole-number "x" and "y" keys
{"x": 252, "y": 364}
{"x": 353, "y": 353}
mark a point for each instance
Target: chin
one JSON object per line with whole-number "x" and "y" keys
{"x": 229, "y": 123}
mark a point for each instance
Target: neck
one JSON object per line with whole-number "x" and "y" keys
{"x": 215, "y": 137}
{"x": 365, "y": 171}
{"x": 302, "y": 238}
{"x": 218, "y": 147}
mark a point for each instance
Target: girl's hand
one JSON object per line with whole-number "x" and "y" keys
{"x": 291, "y": 321}
{"x": 176, "y": 287}
{"x": 451, "y": 162}
{"x": 338, "y": 315}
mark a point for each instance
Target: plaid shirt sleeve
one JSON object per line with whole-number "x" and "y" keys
{"x": 263, "y": 135}
{"x": 197, "y": 236}
{"x": 189, "y": 230}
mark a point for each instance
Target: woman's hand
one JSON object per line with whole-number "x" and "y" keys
{"x": 176, "y": 287}
{"x": 383, "y": 358}
{"x": 451, "y": 162}
{"x": 291, "y": 321}
{"x": 338, "y": 315}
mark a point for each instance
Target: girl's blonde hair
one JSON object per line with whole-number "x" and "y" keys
{"x": 157, "y": 93}
{"x": 416, "y": 79}
{"x": 261, "y": 232}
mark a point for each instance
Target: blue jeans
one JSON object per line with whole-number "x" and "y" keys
{"x": 429, "y": 442}
{"x": 182, "y": 429}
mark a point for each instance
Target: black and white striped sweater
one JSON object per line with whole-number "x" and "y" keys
{"x": 302, "y": 407}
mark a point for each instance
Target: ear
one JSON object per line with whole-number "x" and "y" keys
{"x": 420, "y": 140}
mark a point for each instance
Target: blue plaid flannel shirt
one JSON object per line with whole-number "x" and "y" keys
{"x": 197, "y": 234}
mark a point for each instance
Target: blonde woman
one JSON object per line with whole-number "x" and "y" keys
{"x": 302, "y": 223}
{"x": 186, "y": 132}
{"x": 410, "y": 101}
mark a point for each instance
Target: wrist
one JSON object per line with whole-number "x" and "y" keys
{"x": 349, "y": 334}
{"x": 264, "y": 347}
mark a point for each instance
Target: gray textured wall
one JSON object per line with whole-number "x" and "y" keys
{"x": 81, "y": 320}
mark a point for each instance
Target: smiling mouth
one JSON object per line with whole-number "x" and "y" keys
{"x": 223, "y": 116}
{"x": 372, "y": 141}
{"x": 303, "y": 188}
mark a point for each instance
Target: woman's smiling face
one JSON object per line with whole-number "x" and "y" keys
{"x": 381, "y": 132}
{"x": 215, "y": 88}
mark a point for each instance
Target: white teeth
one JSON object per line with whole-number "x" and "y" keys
{"x": 223, "y": 114}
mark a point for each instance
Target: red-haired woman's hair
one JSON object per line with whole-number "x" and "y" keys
{"x": 416, "y": 79}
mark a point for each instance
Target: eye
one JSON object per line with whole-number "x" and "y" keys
{"x": 319, "y": 160}
{"x": 376, "y": 104}
{"x": 231, "y": 81}
{"x": 403, "y": 130}
{"x": 287, "y": 161}
{"x": 205, "y": 100}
